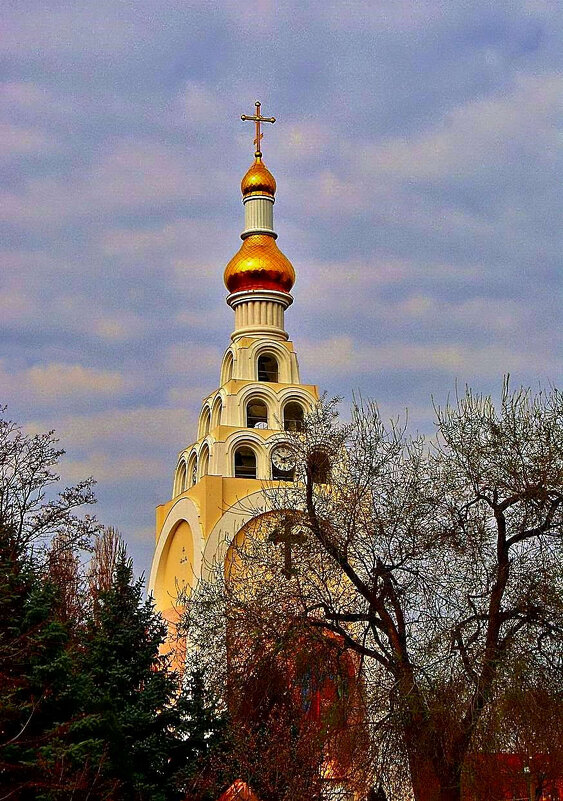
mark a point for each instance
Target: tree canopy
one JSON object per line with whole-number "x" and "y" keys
{"x": 437, "y": 562}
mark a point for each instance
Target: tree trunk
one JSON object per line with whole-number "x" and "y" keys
{"x": 427, "y": 786}
{"x": 432, "y": 778}
{"x": 449, "y": 792}
{"x": 425, "y": 783}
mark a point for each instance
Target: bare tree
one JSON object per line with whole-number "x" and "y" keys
{"x": 30, "y": 505}
{"x": 296, "y": 719}
{"x": 437, "y": 563}
{"x": 108, "y": 549}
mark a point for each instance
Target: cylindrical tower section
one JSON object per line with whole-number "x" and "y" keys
{"x": 258, "y": 215}
{"x": 259, "y": 312}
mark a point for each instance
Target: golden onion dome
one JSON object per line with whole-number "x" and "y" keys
{"x": 259, "y": 264}
{"x": 258, "y": 180}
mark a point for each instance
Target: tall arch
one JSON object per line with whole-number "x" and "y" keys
{"x": 216, "y": 412}
{"x": 204, "y": 421}
{"x": 227, "y": 367}
{"x": 204, "y": 461}
{"x": 288, "y": 372}
{"x": 318, "y": 466}
{"x": 259, "y": 527}
{"x": 266, "y": 394}
{"x": 192, "y": 470}
{"x": 180, "y": 484}
{"x": 176, "y": 570}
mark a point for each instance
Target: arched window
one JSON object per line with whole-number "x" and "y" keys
{"x": 181, "y": 478}
{"x": 204, "y": 461}
{"x": 205, "y": 422}
{"x": 318, "y": 466}
{"x": 216, "y": 416}
{"x": 293, "y": 416}
{"x": 228, "y": 367}
{"x": 267, "y": 368}
{"x": 245, "y": 462}
{"x": 256, "y": 413}
{"x": 192, "y": 470}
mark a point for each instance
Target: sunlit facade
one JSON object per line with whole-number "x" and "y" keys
{"x": 218, "y": 479}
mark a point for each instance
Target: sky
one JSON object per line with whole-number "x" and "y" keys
{"x": 418, "y": 153}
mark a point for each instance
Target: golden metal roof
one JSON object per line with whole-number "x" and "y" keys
{"x": 258, "y": 180}
{"x": 259, "y": 264}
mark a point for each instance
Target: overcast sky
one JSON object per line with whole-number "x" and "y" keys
{"x": 418, "y": 157}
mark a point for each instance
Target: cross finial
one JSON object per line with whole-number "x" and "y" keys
{"x": 257, "y": 118}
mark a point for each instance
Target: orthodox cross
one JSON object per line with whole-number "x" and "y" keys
{"x": 285, "y": 535}
{"x": 257, "y": 118}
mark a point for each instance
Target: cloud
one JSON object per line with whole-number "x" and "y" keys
{"x": 189, "y": 397}
{"x": 130, "y": 174}
{"x": 45, "y": 384}
{"x": 138, "y": 430}
{"x": 16, "y": 305}
{"x": 122, "y": 327}
{"x": 67, "y": 30}
{"x": 343, "y": 356}
{"x": 482, "y": 134}
{"x": 17, "y": 141}
{"x": 106, "y": 468}
{"x": 23, "y": 94}
{"x": 54, "y": 381}
{"x": 200, "y": 103}
{"x": 183, "y": 359}
{"x": 174, "y": 238}
{"x": 137, "y": 172}
{"x": 307, "y": 140}
{"x": 401, "y": 15}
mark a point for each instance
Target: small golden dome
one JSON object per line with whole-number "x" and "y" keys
{"x": 259, "y": 264}
{"x": 258, "y": 180}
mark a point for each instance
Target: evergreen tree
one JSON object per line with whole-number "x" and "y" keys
{"x": 38, "y": 699}
{"x": 213, "y": 763}
{"x": 88, "y": 706}
{"x": 154, "y": 733}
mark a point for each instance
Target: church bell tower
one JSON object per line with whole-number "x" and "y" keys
{"x": 218, "y": 480}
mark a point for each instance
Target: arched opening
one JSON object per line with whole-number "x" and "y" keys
{"x": 318, "y": 466}
{"x": 176, "y": 566}
{"x": 181, "y": 478}
{"x": 204, "y": 461}
{"x": 245, "y": 462}
{"x": 217, "y": 410}
{"x": 267, "y": 368}
{"x": 293, "y": 416}
{"x": 256, "y": 413}
{"x": 174, "y": 579}
{"x": 205, "y": 422}
{"x": 228, "y": 368}
{"x": 192, "y": 470}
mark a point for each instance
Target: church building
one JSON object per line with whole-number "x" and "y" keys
{"x": 218, "y": 480}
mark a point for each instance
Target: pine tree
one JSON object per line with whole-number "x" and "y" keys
{"x": 155, "y": 733}
{"x": 38, "y": 688}
{"x": 212, "y": 764}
